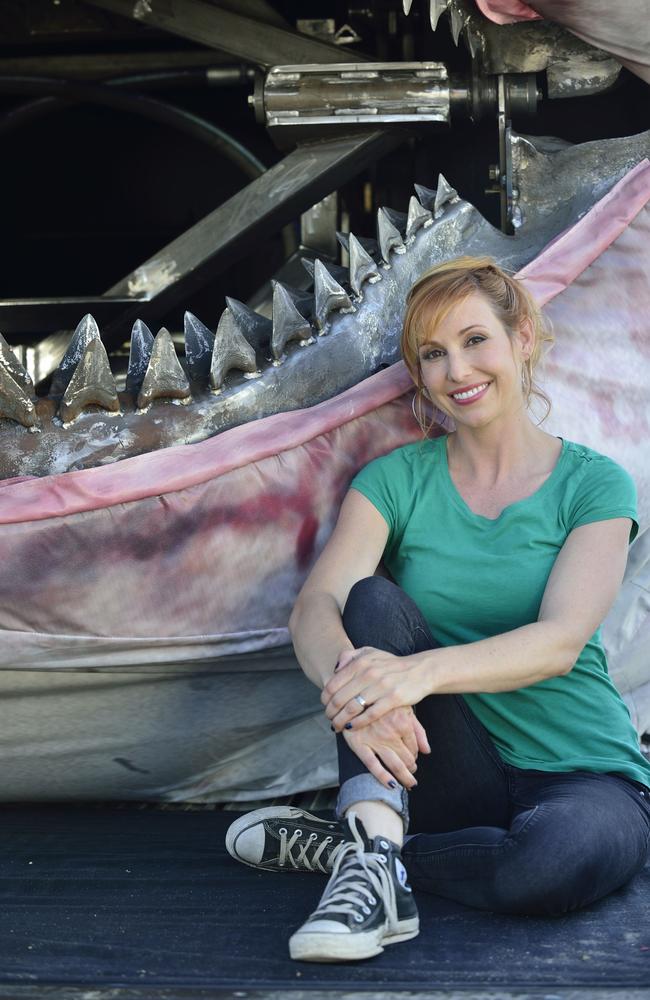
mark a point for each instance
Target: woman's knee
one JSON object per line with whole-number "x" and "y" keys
{"x": 374, "y": 615}
{"x": 368, "y": 600}
{"x": 369, "y": 593}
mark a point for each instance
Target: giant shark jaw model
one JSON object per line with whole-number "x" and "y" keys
{"x": 144, "y": 603}
{"x": 317, "y": 344}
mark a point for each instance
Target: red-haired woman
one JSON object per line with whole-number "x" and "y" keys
{"x": 506, "y": 547}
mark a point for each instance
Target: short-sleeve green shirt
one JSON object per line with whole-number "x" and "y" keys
{"x": 474, "y": 577}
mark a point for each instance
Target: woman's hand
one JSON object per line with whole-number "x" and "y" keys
{"x": 382, "y": 681}
{"x": 389, "y": 746}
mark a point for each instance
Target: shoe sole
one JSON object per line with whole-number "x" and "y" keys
{"x": 306, "y": 947}
{"x": 258, "y": 816}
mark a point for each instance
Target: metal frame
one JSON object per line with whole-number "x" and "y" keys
{"x": 243, "y": 37}
{"x": 276, "y": 198}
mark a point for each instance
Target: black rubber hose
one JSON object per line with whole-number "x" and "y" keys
{"x": 66, "y": 91}
{"x": 71, "y": 92}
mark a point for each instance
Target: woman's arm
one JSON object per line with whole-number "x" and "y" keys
{"x": 580, "y": 591}
{"x": 389, "y": 750}
{"x": 352, "y": 553}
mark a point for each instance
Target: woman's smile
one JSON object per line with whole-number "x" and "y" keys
{"x": 463, "y": 397}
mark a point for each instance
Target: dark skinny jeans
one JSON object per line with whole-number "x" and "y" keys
{"x": 487, "y": 834}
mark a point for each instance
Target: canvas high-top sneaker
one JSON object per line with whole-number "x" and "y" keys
{"x": 367, "y": 903}
{"x": 284, "y": 838}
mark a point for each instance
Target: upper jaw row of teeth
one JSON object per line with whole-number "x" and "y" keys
{"x": 470, "y": 392}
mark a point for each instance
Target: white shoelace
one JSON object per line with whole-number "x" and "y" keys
{"x": 300, "y": 860}
{"x": 361, "y": 881}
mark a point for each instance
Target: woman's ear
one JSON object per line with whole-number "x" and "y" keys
{"x": 526, "y": 337}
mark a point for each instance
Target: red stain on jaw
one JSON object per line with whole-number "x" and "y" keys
{"x": 305, "y": 541}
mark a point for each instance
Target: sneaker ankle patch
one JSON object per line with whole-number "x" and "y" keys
{"x": 402, "y": 877}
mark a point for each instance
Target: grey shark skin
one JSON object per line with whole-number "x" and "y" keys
{"x": 352, "y": 335}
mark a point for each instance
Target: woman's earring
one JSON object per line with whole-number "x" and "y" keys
{"x": 418, "y": 415}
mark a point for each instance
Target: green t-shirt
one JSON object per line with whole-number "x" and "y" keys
{"x": 474, "y": 577}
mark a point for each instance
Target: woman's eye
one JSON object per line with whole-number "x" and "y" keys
{"x": 477, "y": 338}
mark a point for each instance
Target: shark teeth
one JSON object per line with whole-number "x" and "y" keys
{"x": 139, "y": 355}
{"x": 12, "y": 366}
{"x": 15, "y": 403}
{"x": 231, "y": 349}
{"x": 199, "y": 344}
{"x": 86, "y": 331}
{"x": 243, "y": 337}
{"x": 436, "y": 200}
{"x": 362, "y": 266}
{"x": 328, "y": 295}
{"x": 92, "y": 384}
{"x": 457, "y": 22}
{"x": 253, "y": 328}
{"x": 388, "y": 236}
{"x": 288, "y": 322}
{"x": 418, "y": 216}
{"x": 436, "y": 8}
{"x": 337, "y": 271}
{"x": 164, "y": 378}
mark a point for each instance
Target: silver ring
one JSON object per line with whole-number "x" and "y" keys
{"x": 362, "y": 701}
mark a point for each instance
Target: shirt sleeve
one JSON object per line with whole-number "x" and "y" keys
{"x": 377, "y": 481}
{"x": 607, "y": 490}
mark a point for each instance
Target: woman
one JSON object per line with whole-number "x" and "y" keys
{"x": 507, "y": 546}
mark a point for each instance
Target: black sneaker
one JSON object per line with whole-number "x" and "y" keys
{"x": 367, "y": 904}
{"x": 283, "y": 838}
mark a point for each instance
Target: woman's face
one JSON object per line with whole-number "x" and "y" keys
{"x": 471, "y": 367}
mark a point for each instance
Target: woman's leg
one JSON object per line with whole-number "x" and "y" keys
{"x": 573, "y": 839}
{"x": 463, "y": 781}
{"x": 486, "y": 834}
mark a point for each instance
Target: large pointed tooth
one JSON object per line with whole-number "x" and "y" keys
{"x": 407, "y": 4}
{"x": 86, "y": 331}
{"x": 13, "y": 367}
{"x": 388, "y": 236}
{"x": 362, "y": 266}
{"x": 15, "y": 403}
{"x": 397, "y": 218}
{"x": 473, "y": 38}
{"x": 302, "y": 300}
{"x": 457, "y": 21}
{"x": 328, "y": 294}
{"x": 256, "y": 329}
{"x": 426, "y": 196}
{"x": 231, "y": 349}
{"x": 436, "y": 8}
{"x": 139, "y": 355}
{"x": 199, "y": 344}
{"x": 91, "y": 385}
{"x": 164, "y": 378}
{"x": 369, "y": 245}
{"x": 338, "y": 272}
{"x": 417, "y": 217}
{"x": 288, "y": 323}
{"x": 445, "y": 194}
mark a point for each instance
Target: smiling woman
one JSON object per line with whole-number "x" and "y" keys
{"x": 506, "y": 547}
{"x": 497, "y": 299}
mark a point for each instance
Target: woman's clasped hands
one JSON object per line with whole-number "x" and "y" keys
{"x": 369, "y": 700}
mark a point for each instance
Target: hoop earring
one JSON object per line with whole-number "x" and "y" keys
{"x": 419, "y": 392}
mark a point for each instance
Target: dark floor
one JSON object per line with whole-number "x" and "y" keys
{"x": 148, "y": 900}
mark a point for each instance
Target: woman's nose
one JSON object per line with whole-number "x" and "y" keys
{"x": 458, "y": 367}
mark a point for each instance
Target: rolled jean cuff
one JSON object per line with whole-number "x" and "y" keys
{"x": 366, "y": 788}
